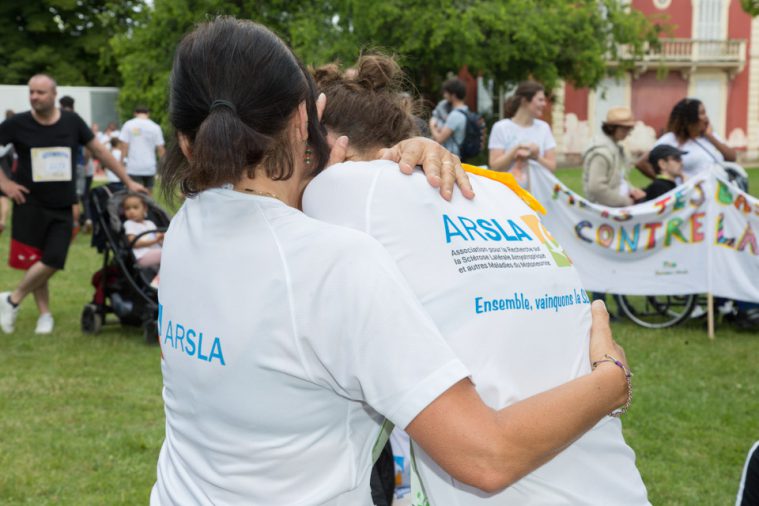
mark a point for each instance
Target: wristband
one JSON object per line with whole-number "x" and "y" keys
{"x": 628, "y": 376}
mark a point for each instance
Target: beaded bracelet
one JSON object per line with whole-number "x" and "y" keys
{"x": 628, "y": 376}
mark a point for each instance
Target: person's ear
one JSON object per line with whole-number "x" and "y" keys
{"x": 321, "y": 104}
{"x": 185, "y": 146}
{"x": 331, "y": 138}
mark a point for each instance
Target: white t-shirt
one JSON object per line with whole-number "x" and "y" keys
{"x": 143, "y": 136}
{"x": 506, "y": 298}
{"x": 506, "y": 134}
{"x": 701, "y": 154}
{"x": 278, "y": 333}
{"x": 134, "y": 228}
{"x": 113, "y": 178}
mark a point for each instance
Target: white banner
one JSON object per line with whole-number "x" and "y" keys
{"x": 697, "y": 238}
{"x": 734, "y": 249}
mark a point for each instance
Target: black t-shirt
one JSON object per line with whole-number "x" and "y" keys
{"x": 23, "y": 131}
{"x": 659, "y": 187}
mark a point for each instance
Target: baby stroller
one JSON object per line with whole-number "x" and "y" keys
{"x": 122, "y": 288}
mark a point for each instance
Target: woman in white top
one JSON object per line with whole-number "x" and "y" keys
{"x": 280, "y": 334}
{"x": 522, "y": 135}
{"x": 433, "y": 242}
{"x": 689, "y": 130}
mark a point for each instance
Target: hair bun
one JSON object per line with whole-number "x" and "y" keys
{"x": 378, "y": 72}
{"x": 326, "y": 75}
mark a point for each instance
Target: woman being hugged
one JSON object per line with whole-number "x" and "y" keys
{"x": 515, "y": 350}
{"x": 522, "y": 136}
{"x": 280, "y": 334}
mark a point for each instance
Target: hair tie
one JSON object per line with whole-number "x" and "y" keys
{"x": 222, "y": 103}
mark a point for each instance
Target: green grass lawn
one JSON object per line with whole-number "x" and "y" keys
{"x": 81, "y": 417}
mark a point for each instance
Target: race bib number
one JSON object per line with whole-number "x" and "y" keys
{"x": 51, "y": 164}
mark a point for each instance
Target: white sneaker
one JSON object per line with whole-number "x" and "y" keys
{"x": 44, "y": 324}
{"x": 8, "y": 313}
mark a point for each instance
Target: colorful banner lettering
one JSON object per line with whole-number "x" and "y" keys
{"x": 700, "y": 237}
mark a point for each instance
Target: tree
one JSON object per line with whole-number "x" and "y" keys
{"x": 66, "y": 38}
{"x": 508, "y": 40}
{"x": 751, "y": 7}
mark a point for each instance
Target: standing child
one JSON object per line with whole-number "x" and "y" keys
{"x": 147, "y": 249}
{"x": 667, "y": 162}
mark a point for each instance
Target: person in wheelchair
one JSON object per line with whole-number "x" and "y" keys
{"x": 667, "y": 163}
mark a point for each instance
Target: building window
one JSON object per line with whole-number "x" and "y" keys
{"x": 709, "y": 25}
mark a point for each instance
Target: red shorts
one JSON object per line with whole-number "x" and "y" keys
{"x": 40, "y": 234}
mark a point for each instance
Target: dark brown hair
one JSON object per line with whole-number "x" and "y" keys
{"x": 683, "y": 118}
{"x": 609, "y": 129}
{"x": 455, "y": 87}
{"x": 134, "y": 195}
{"x": 525, "y": 91}
{"x": 368, "y": 105}
{"x": 234, "y": 88}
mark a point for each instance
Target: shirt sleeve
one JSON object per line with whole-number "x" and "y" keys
{"x": 368, "y": 337}
{"x": 132, "y": 227}
{"x": 500, "y": 137}
{"x": 456, "y": 120}
{"x": 668, "y": 139}
{"x": 84, "y": 132}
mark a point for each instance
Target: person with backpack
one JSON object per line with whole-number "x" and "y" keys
{"x": 521, "y": 135}
{"x": 452, "y": 133}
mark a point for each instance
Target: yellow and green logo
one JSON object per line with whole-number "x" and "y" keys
{"x": 545, "y": 238}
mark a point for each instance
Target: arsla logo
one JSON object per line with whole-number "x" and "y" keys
{"x": 545, "y": 238}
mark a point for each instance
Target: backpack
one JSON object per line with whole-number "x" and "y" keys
{"x": 474, "y": 135}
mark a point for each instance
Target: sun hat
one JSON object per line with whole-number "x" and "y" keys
{"x": 620, "y": 116}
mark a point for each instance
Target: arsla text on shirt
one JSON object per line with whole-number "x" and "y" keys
{"x": 185, "y": 338}
{"x": 469, "y": 229}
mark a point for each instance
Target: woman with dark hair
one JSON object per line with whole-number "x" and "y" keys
{"x": 462, "y": 259}
{"x": 279, "y": 334}
{"x": 690, "y": 130}
{"x": 522, "y": 135}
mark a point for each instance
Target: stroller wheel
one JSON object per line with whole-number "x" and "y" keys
{"x": 92, "y": 320}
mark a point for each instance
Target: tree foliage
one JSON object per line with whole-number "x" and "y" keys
{"x": 68, "y": 39}
{"x": 508, "y": 40}
{"x": 751, "y": 7}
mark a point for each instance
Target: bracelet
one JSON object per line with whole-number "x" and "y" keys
{"x": 628, "y": 376}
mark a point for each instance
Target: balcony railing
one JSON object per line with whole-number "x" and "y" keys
{"x": 691, "y": 54}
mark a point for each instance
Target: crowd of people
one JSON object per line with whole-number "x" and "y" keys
{"x": 314, "y": 289}
{"x": 48, "y": 156}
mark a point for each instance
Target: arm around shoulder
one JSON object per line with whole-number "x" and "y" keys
{"x": 491, "y": 449}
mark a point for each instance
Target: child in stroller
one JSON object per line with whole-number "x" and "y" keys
{"x": 142, "y": 233}
{"x": 122, "y": 285}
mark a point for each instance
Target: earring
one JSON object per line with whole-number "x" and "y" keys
{"x": 307, "y": 157}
